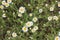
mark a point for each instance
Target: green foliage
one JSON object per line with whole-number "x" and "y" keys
{"x": 47, "y": 30}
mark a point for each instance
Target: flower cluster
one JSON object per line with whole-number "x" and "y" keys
{"x": 29, "y": 19}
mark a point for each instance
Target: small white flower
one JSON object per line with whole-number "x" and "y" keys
{"x": 35, "y": 19}
{"x": 1, "y": 6}
{"x": 6, "y": 5}
{"x": 58, "y": 4}
{"x": 14, "y": 34}
{"x": 19, "y": 15}
{"x": 3, "y": 2}
{"x": 40, "y": 10}
{"x": 57, "y": 38}
{"x": 35, "y": 28}
{"x": 55, "y": 18}
{"x": 29, "y": 23}
{"x": 9, "y": 37}
{"x": 8, "y": 32}
{"x": 37, "y": 7}
{"x": 25, "y": 29}
{"x": 29, "y": 5}
{"x": 22, "y": 9}
{"x": 52, "y": 8}
{"x": 59, "y": 12}
{"x": 30, "y": 14}
{"x": 4, "y": 15}
{"x": 59, "y": 33}
{"x": 50, "y": 18}
{"x": 9, "y": 1}
{"x": 46, "y": 5}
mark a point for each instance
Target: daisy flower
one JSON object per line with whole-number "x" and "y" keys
{"x": 59, "y": 33}
{"x": 19, "y": 15}
{"x": 35, "y": 19}
{"x": 9, "y": 1}
{"x": 55, "y": 18}
{"x": 1, "y": 6}
{"x": 58, "y": 4}
{"x": 50, "y": 18}
{"x": 22, "y": 9}
{"x": 35, "y": 28}
{"x": 57, "y": 38}
{"x": 25, "y": 29}
{"x": 6, "y": 5}
{"x": 29, "y": 23}
{"x": 3, "y": 2}
{"x": 14, "y": 34}
{"x": 8, "y": 32}
{"x": 40, "y": 10}
{"x": 30, "y": 14}
{"x": 51, "y": 8}
{"x": 4, "y": 15}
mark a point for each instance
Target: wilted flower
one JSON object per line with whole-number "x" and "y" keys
{"x": 22, "y": 9}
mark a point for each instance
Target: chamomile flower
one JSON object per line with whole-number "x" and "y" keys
{"x": 24, "y": 29}
{"x": 3, "y": 2}
{"x": 9, "y": 1}
{"x": 46, "y": 5}
{"x": 22, "y": 9}
{"x": 59, "y": 12}
{"x": 50, "y": 18}
{"x": 8, "y": 32}
{"x": 30, "y": 14}
{"x": 58, "y": 4}
{"x": 1, "y": 7}
{"x": 4, "y": 15}
{"x": 35, "y": 28}
{"x": 29, "y": 4}
{"x": 35, "y": 19}
{"x": 14, "y": 34}
{"x": 6, "y": 5}
{"x": 55, "y": 18}
{"x": 52, "y": 8}
{"x": 19, "y": 15}
{"x": 40, "y": 10}
{"x": 32, "y": 30}
{"x": 59, "y": 34}
{"x": 29, "y": 23}
{"x": 57, "y": 38}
